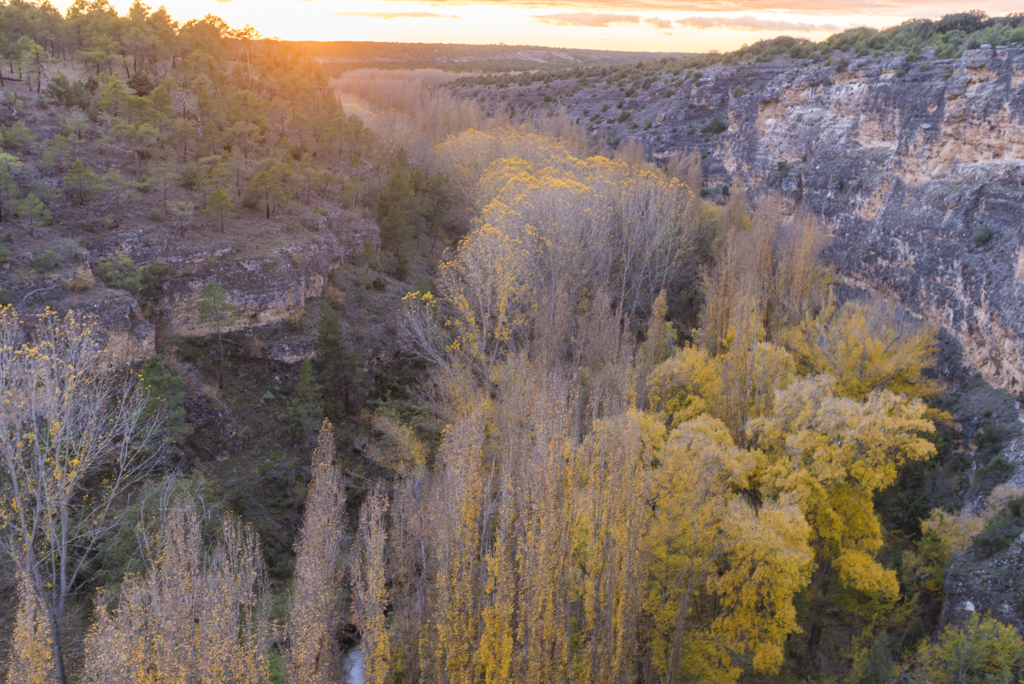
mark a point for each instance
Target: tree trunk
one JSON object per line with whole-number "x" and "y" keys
{"x": 58, "y": 651}
{"x": 220, "y": 344}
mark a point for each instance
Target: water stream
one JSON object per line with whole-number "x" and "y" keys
{"x": 352, "y": 666}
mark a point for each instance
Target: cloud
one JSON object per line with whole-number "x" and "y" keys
{"x": 591, "y": 19}
{"x": 397, "y": 15}
{"x": 749, "y": 23}
{"x": 658, "y": 23}
{"x": 874, "y": 8}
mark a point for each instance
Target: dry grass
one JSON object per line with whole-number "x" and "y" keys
{"x": 335, "y": 296}
{"x": 82, "y": 280}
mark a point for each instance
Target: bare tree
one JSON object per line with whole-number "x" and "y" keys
{"x": 369, "y": 588}
{"x": 73, "y": 439}
{"x": 318, "y": 569}
{"x": 195, "y": 616}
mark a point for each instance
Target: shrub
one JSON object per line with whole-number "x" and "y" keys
{"x": 82, "y": 280}
{"x": 17, "y": 137}
{"x": 1001, "y": 530}
{"x": 982, "y": 236}
{"x": 66, "y": 93}
{"x": 120, "y": 273}
{"x": 715, "y": 126}
{"x": 45, "y": 262}
{"x": 998, "y": 470}
{"x": 5, "y": 255}
{"x": 401, "y": 265}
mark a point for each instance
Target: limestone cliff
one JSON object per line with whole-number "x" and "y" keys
{"x": 918, "y": 168}
{"x": 920, "y": 175}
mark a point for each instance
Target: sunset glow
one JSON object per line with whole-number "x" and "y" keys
{"x": 655, "y": 25}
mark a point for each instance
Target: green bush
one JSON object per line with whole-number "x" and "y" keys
{"x": 5, "y": 255}
{"x": 45, "y": 262}
{"x": 982, "y": 236}
{"x": 120, "y": 273}
{"x": 715, "y": 126}
{"x": 1001, "y": 530}
{"x": 401, "y": 265}
{"x": 998, "y": 471}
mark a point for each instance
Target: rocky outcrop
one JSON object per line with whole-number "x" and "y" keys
{"x": 263, "y": 290}
{"x": 267, "y": 278}
{"x": 128, "y": 336}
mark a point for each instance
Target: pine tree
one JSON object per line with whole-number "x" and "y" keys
{"x": 166, "y": 394}
{"x": 82, "y": 180}
{"x": 8, "y": 188}
{"x": 303, "y": 412}
{"x": 337, "y": 364}
{"x": 214, "y": 307}
{"x": 219, "y": 205}
{"x": 398, "y": 208}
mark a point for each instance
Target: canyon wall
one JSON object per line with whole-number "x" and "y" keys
{"x": 920, "y": 176}
{"x": 917, "y": 166}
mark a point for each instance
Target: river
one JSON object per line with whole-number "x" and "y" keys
{"x": 352, "y": 666}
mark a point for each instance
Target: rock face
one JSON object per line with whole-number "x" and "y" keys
{"x": 917, "y": 167}
{"x": 265, "y": 290}
{"x": 921, "y": 179}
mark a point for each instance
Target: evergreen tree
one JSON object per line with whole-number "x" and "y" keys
{"x": 215, "y": 307}
{"x": 219, "y": 204}
{"x": 337, "y": 364}
{"x": 398, "y": 208}
{"x": 82, "y": 181}
{"x": 166, "y": 393}
{"x": 8, "y": 164}
{"x": 303, "y": 413}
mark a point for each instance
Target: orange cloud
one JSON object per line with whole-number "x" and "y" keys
{"x": 594, "y": 20}
{"x": 749, "y": 23}
{"x": 397, "y": 15}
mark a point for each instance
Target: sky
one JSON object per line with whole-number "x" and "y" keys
{"x": 647, "y": 25}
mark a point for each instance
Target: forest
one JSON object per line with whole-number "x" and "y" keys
{"x": 552, "y": 417}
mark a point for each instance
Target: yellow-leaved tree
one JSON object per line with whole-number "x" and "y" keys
{"x": 867, "y": 346}
{"x": 75, "y": 435}
{"x": 721, "y": 575}
{"x": 833, "y": 453}
{"x": 197, "y": 615}
{"x": 369, "y": 590}
{"x": 31, "y": 653}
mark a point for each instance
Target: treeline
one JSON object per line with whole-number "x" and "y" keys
{"x": 947, "y": 37}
